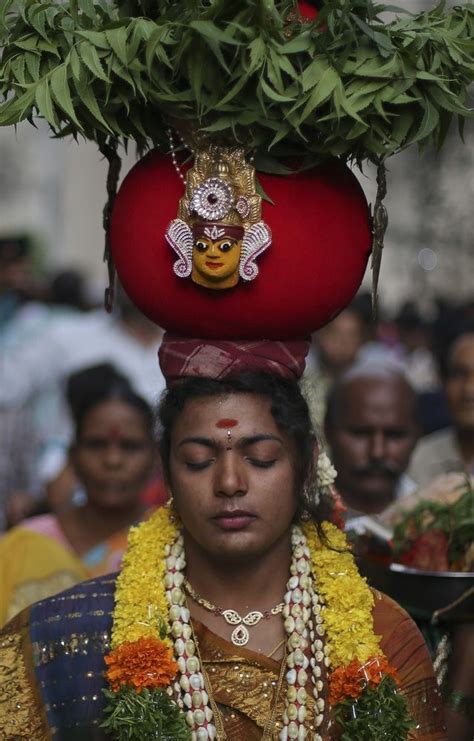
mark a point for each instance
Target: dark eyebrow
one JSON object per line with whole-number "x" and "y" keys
{"x": 245, "y": 441}
{"x": 199, "y": 441}
{"x": 241, "y": 443}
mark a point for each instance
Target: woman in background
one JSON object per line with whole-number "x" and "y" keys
{"x": 112, "y": 457}
{"x": 235, "y": 597}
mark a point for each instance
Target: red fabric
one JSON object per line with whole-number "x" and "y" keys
{"x": 154, "y": 494}
{"x": 314, "y": 266}
{"x": 181, "y": 357}
{"x": 237, "y": 232}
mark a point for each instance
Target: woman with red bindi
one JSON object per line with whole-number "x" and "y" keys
{"x": 111, "y": 460}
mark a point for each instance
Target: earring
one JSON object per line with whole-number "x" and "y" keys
{"x": 174, "y": 517}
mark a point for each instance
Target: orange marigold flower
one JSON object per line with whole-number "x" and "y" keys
{"x": 146, "y": 662}
{"x": 376, "y": 668}
{"x": 351, "y": 680}
{"x": 345, "y": 681}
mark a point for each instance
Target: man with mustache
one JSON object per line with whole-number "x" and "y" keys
{"x": 372, "y": 428}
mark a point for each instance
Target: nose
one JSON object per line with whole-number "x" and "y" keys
{"x": 378, "y": 446}
{"x": 213, "y": 250}
{"x": 113, "y": 456}
{"x": 230, "y": 479}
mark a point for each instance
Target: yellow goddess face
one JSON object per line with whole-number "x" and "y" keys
{"x": 216, "y": 261}
{"x": 219, "y": 233}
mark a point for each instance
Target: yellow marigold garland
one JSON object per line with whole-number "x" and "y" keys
{"x": 349, "y": 601}
{"x": 358, "y": 665}
{"x": 140, "y": 598}
{"x": 141, "y": 631}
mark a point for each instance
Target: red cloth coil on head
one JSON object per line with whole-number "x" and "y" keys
{"x": 182, "y": 357}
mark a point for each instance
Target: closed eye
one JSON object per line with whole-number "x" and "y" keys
{"x": 258, "y": 463}
{"x": 192, "y": 466}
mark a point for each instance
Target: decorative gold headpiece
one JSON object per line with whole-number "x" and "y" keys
{"x": 219, "y": 232}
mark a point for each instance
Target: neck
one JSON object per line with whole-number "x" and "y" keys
{"x": 257, "y": 583}
{"x": 465, "y": 438}
{"x": 103, "y": 522}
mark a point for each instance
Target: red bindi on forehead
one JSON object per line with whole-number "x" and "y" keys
{"x": 226, "y": 423}
{"x": 114, "y": 432}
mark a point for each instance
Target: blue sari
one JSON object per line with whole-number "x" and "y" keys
{"x": 52, "y": 665}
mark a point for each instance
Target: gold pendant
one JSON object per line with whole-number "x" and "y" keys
{"x": 240, "y": 636}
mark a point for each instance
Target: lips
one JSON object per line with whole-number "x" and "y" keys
{"x": 113, "y": 486}
{"x": 214, "y": 265}
{"x": 233, "y": 519}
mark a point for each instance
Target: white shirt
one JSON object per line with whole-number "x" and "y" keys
{"x": 71, "y": 343}
{"x": 36, "y": 371}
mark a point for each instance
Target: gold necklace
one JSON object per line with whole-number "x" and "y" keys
{"x": 240, "y": 635}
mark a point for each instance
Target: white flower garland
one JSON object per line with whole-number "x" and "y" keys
{"x": 303, "y": 622}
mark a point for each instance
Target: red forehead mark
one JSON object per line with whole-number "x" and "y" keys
{"x": 114, "y": 432}
{"x": 226, "y": 423}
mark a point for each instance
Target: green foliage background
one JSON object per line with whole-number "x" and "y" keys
{"x": 455, "y": 520}
{"x": 347, "y": 85}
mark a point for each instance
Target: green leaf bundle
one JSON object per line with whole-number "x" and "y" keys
{"x": 346, "y": 85}
{"x": 455, "y": 520}
{"x": 380, "y": 712}
{"x": 148, "y": 715}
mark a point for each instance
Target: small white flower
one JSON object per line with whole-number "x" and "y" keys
{"x": 325, "y": 471}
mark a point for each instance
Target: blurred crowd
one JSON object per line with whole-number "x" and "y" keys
{"x": 393, "y": 398}
{"x": 392, "y": 401}
{"x": 49, "y": 329}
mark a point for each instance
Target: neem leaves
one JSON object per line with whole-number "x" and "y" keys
{"x": 346, "y": 85}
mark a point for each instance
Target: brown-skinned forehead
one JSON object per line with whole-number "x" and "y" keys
{"x": 463, "y": 345}
{"x": 241, "y": 442}
{"x": 360, "y": 386}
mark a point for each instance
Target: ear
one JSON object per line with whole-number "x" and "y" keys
{"x": 310, "y": 476}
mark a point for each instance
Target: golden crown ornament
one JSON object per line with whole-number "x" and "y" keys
{"x": 219, "y": 232}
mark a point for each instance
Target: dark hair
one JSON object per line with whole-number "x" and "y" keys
{"x": 67, "y": 288}
{"x": 92, "y": 386}
{"x": 13, "y": 248}
{"x": 463, "y": 329}
{"x": 288, "y": 407}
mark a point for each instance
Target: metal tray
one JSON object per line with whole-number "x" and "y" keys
{"x": 422, "y": 593}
